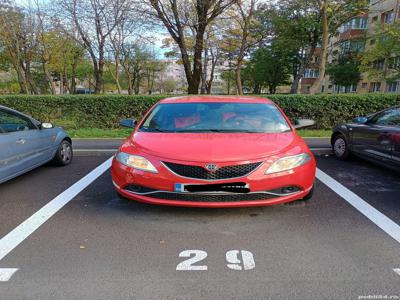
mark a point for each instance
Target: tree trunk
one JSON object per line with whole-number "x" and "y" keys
{"x": 73, "y": 78}
{"x": 29, "y": 79}
{"x": 21, "y": 79}
{"x": 203, "y": 88}
{"x": 197, "y": 57}
{"x": 316, "y": 87}
{"x": 136, "y": 86}
{"x": 61, "y": 84}
{"x": 99, "y": 77}
{"x": 49, "y": 79}
{"x": 238, "y": 78}
{"x": 117, "y": 81}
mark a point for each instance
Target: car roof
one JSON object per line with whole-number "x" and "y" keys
{"x": 216, "y": 99}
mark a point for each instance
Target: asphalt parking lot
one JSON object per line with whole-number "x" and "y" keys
{"x": 97, "y": 246}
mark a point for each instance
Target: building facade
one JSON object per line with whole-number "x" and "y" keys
{"x": 352, "y": 39}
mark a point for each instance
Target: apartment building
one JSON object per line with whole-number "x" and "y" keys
{"x": 174, "y": 71}
{"x": 352, "y": 39}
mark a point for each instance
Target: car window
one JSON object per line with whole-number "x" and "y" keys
{"x": 11, "y": 122}
{"x": 390, "y": 117}
{"x": 215, "y": 117}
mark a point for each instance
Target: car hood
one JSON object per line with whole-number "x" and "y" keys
{"x": 213, "y": 147}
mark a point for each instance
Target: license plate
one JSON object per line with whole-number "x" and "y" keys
{"x": 179, "y": 188}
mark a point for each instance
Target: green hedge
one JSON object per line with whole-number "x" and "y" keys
{"x": 104, "y": 111}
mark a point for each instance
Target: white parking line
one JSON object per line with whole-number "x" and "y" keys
{"x": 5, "y": 274}
{"x": 386, "y": 224}
{"x": 25, "y": 229}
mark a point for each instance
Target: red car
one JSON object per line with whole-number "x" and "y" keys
{"x": 214, "y": 151}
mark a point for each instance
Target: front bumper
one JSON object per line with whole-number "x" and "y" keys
{"x": 159, "y": 188}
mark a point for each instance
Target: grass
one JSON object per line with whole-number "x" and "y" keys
{"x": 122, "y": 133}
{"x": 315, "y": 132}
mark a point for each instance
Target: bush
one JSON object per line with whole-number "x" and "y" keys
{"x": 104, "y": 111}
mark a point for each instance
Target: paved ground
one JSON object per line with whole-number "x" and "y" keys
{"x": 101, "y": 247}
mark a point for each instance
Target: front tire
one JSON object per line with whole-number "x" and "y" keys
{"x": 64, "y": 154}
{"x": 340, "y": 147}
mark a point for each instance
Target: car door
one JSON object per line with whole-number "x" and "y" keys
{"x": 373, "y": 139}
{"x": 394, "y": 133}
{"x": 22, "y": 139}
{"x": 5, "y": 155}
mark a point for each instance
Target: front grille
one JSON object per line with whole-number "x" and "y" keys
{"x": 198, "y": 172}
{"x": 211, "y": 197}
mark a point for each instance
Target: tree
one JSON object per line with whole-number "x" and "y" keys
{"x": 333, "y": 15}
{"x": 133, "y": 59}
{"x": 189, "y": 18}
{"x": 228, "y": 76}
{"x": 382, "y": 61}
{"x": 294, "y": 24}
{"x": 245, "y": 22}
{"x": 151, "y": 69}
{"x": 94, "y": 21}
{"x": 267, "y": 68}
{"x": 17, "y": 38}
{"x": 345, "y": 73}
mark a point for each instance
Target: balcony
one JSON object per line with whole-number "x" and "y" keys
{"x": 352, "y": 34}
{"x": 308, "y": 80}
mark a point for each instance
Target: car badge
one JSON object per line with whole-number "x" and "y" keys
{"x": 211, "y": 167}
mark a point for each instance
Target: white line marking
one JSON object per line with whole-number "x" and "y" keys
{"x": 382, "y": 221}
{"x": 26, "y": 228}
{"x": 397, "y": 271}
{"x": 6, "y": 273}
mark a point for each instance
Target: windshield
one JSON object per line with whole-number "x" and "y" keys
{"x": 215, "y": 117}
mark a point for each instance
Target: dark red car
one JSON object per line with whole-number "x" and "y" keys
{"x": 214, "y": 152}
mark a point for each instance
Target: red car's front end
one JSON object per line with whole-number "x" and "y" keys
{"x": 209, "y": 168}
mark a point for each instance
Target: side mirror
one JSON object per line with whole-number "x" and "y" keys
{"x": 129, "y": 123}
{"x": 46, "y": 126}
{"x": 302, "y": 123}
{"x": 360, "y": 120}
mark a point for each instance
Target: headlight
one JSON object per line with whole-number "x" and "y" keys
{"x": 136, "y": 162}
{"x": 288, "y": 163}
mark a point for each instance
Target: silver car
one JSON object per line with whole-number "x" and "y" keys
{"x": 26, "y": 143}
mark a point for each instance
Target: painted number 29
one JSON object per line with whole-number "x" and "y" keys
{"x": 195, "y": 256}
{"x": 237, "y": 260}
{"x": 240, "y": 260}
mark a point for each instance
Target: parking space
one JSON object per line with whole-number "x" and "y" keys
{"x": 24, "y": 195}
{"x": 100, "y": 246}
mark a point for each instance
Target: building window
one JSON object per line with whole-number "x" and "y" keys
{"x": 346, "y": 89}
{"x": 356, "y": 23}
{"x": 352, "y": 46}
{"x": 379, "y": 65}
{"x": 388, "y": 17}
{"x": 394, "y": 63}
{"x": 364, "y": 85}
{"x": 311, "y": 73}
{"x": 375, "y": 87}
{"x": 393, "y": 87}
